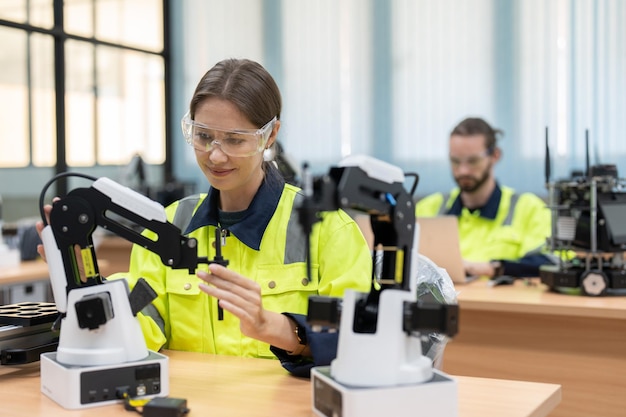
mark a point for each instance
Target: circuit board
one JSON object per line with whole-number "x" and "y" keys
{"x": 28, "y": 313}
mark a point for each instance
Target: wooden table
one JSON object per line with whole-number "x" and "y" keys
{"x": 231, "y": 386}
{"x": 525, "y": 332}
{"x": 27, "y": 271}
{"x": 112, "y": 253}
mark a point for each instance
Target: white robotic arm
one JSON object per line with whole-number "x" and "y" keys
{"x": 101, "y": 350}
{"x": 378, "y": 347}
{"x": 99, "y": 326}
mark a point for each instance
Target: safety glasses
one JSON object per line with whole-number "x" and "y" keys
{"x": 239, "y": 142}
{"x": 471, "y": 161}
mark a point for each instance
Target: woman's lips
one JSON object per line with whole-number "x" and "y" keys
{"x": 220, "y": 172}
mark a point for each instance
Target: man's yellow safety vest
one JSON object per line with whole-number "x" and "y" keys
{"x": 509, "y": 227}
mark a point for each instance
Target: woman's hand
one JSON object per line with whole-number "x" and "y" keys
{"x": 40, "y": 226}
{"x": 237, "y": 295}
{"x": 241, "y": 297}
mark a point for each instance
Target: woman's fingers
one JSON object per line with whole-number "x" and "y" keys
{"x": 230, "y": 286}
{"x": 236, "y": 294}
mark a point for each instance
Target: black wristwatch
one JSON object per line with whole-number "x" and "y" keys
{"x": 498, "y": 268}
{"x": 300, "y": 334}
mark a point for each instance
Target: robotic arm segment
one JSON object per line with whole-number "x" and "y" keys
{"x": 431, "y": 318}
{"x": 74, "y": 218}
{"x": 389, "y": 205}
{"x": 98, "y": 321}
{"x": 387, "y": 318}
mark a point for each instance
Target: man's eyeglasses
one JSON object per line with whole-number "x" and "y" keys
{"x": 471, "y": 161}
{"x": 239, "y": 142}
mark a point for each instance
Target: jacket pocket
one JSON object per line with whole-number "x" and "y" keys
{"x": 184, "y": 301}
{"x": 285, "y": 289}
{"x": 506, "y": 243}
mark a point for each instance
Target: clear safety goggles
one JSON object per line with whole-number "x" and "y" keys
{"x": 471, "y": 161}
{"x": 240, "y": 142}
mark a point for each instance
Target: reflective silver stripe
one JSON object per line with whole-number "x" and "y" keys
{"x": 151, "y": 311}
{"x": 443, "y": 208}
{"x": 509, "y": 217}
{"x": 295, "y": 245}
{"x": 184, "y": 211}
{"x": 182, "y": 217}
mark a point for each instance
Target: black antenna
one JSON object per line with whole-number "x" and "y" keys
{"x": 587, "y": 152}
{"x": 547, "y": 162}
{"x": 596, "y": 153}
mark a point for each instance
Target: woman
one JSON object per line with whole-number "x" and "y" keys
{"x": 256, "y": 305}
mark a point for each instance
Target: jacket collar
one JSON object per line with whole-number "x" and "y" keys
{"x": 488, "y": 211}
{"x": 257, "y": 216}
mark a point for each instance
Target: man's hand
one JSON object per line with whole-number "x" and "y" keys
{"x": 479, "y": 269}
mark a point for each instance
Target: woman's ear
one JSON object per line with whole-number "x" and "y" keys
{"x": 273, "y": 135}
{"x": 269, "y": 152}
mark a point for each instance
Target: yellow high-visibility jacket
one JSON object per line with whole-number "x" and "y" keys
{"x": 268, "y": 246}
{"x": 509, "y": 227}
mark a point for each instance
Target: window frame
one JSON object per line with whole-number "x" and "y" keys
{"x": 59, "y": 37}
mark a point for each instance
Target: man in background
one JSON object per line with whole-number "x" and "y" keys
{"x": 501, "y": 232}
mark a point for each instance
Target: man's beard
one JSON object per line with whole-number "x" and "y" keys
{"x": 475, "y": 181}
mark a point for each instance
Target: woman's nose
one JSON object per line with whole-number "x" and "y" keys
{"x": 217, "y": 155}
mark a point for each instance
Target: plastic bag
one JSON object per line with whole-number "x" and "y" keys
{"x": 434, "y": 285}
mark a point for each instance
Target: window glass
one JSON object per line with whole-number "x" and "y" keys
{"x": 138, "y": 23}
{"x": 13, "y": 10}
{"x": 34, "y": 12}
{"x": 43, "y": 114}
{"x": 114, "y": 95}
{"x": 40, "y": 13}
{"x": 79, "y": 104}
{"x": 115, "y": 105}
{"x": 14, "y": 99}
{"x": 78, "y": 17}
{"x": 130, "y": 106}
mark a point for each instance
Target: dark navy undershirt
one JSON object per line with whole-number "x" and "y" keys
{"x": 488, "y": 211}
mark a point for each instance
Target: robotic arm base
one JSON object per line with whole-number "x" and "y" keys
{"x": 100, "y": 332}
{"x": 385, "y": 358}
{"x": 436, "y": 397}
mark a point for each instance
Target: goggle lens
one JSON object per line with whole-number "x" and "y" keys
{"x": 232, "y": 142}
